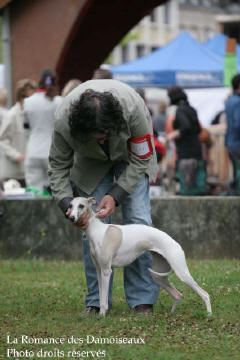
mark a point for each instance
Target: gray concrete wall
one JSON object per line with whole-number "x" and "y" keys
{"x": 206, "y": 227}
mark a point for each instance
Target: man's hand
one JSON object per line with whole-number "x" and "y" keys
{"x": 173, "y": 135}
{"x": 108, "y": 205}
{"x": 82, "y": 222}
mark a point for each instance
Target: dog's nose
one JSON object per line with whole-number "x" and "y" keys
{"x": 72, "y": 218}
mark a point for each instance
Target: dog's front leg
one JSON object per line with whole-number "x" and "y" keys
{"x": 98, "y": 270}
{"x": 105, "y": 279}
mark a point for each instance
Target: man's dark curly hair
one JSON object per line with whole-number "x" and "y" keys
{"x": 95, "y": 112}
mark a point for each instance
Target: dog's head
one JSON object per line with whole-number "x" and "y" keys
{"x": 80, "y": 206}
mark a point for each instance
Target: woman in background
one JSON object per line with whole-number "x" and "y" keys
{"x": 38, "y": 113}
{"x": 186, "y": 137}
{"x": 12, "y": 136}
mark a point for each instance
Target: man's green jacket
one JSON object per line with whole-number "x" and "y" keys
{"x": 87, "y": 163}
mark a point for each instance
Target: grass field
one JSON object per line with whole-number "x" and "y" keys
{"x": 40, "y": 300}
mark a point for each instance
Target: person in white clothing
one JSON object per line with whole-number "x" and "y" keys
{"x": 12, "y": 135}
{"x": 38, "y": 119}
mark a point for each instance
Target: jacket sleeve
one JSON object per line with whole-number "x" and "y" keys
{"x": 140, "y": 125}
{"x": 60, "y": 163}
{"x": 6, "y": 135}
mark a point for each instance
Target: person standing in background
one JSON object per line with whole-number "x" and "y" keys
{"x": 38, "y": 119}
{"x": 159, "y": 120}
{"x": 101, "y": 73}
{"x": 12, "y": 135}
{"x": 69, "y": 86}
{"x": 185, "y": 134}
{"x": 232, "y": 138}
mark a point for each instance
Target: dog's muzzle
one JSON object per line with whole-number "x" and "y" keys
{"x": 72, "y": 218}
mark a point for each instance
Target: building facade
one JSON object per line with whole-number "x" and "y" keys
{"x": 153, "y": 31}
{"x": 201, "y": 18}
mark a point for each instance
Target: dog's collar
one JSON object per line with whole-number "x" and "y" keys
{"x": 100, "y": 211}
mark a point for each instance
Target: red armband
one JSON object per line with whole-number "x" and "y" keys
{"x": 141, "y": 146}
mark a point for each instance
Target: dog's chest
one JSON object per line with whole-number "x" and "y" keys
{"x": 95, "y": 241}
{"x": 94, "y": 248}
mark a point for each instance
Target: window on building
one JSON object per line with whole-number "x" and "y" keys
{"x": 207, "y": 34}
{"x": 215, "y": 3}
{"x": 194, "y": 30}
{"x": 194, "y": 2}
{"x": 124, "y": 53}
{"x": 153, "y": 16}
{"x": 206, "y": 3}
{"x": 140, "y": 50}
{"x": 167, "y": 13}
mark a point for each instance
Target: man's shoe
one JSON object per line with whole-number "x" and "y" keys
{"x": 143, "y": 309}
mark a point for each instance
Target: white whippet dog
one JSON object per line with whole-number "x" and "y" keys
{"x": 119, "y": 245}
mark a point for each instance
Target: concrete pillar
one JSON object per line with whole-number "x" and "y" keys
{"x": 117, "y": 55}
{"x": 174, "y": 15}
{"x": 147, "y": 35}
{"x": 132, "y": 50}
{"x": 161, "y": 25}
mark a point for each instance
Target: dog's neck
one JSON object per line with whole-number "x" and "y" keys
{"x": 93, "y": 225}
{"x": 93, "y": 219}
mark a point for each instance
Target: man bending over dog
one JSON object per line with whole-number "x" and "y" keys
{"x": 102, "y": 146}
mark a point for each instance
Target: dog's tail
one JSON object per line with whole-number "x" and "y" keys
{"x": 160, "y": 266}
{"x": 159, "y": 274}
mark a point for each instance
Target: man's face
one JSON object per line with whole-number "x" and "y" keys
{"x": 100, "y": 137}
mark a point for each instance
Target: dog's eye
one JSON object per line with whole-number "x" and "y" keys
{"x": 81, "y": 206}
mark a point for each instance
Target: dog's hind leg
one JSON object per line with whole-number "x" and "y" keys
{"x": 171, "y": 290}
{"x": 187, "y": 279}
{"x": 160, "y": 271}
{"x": 178, "y": 263}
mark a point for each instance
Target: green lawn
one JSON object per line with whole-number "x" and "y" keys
{"x": 42, "y": 300}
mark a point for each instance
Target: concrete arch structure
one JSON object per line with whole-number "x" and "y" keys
{"x": 71, "y": 36}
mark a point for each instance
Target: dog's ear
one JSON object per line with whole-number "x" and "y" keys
{"x": 92, "y": 201}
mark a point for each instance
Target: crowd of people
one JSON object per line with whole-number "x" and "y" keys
{"x": 26, "y": 131}
{"x": 188, "y": 144}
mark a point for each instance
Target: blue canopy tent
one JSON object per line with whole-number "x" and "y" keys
{"x": 217, "y": 44}
{"x": 182, "y": 62}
